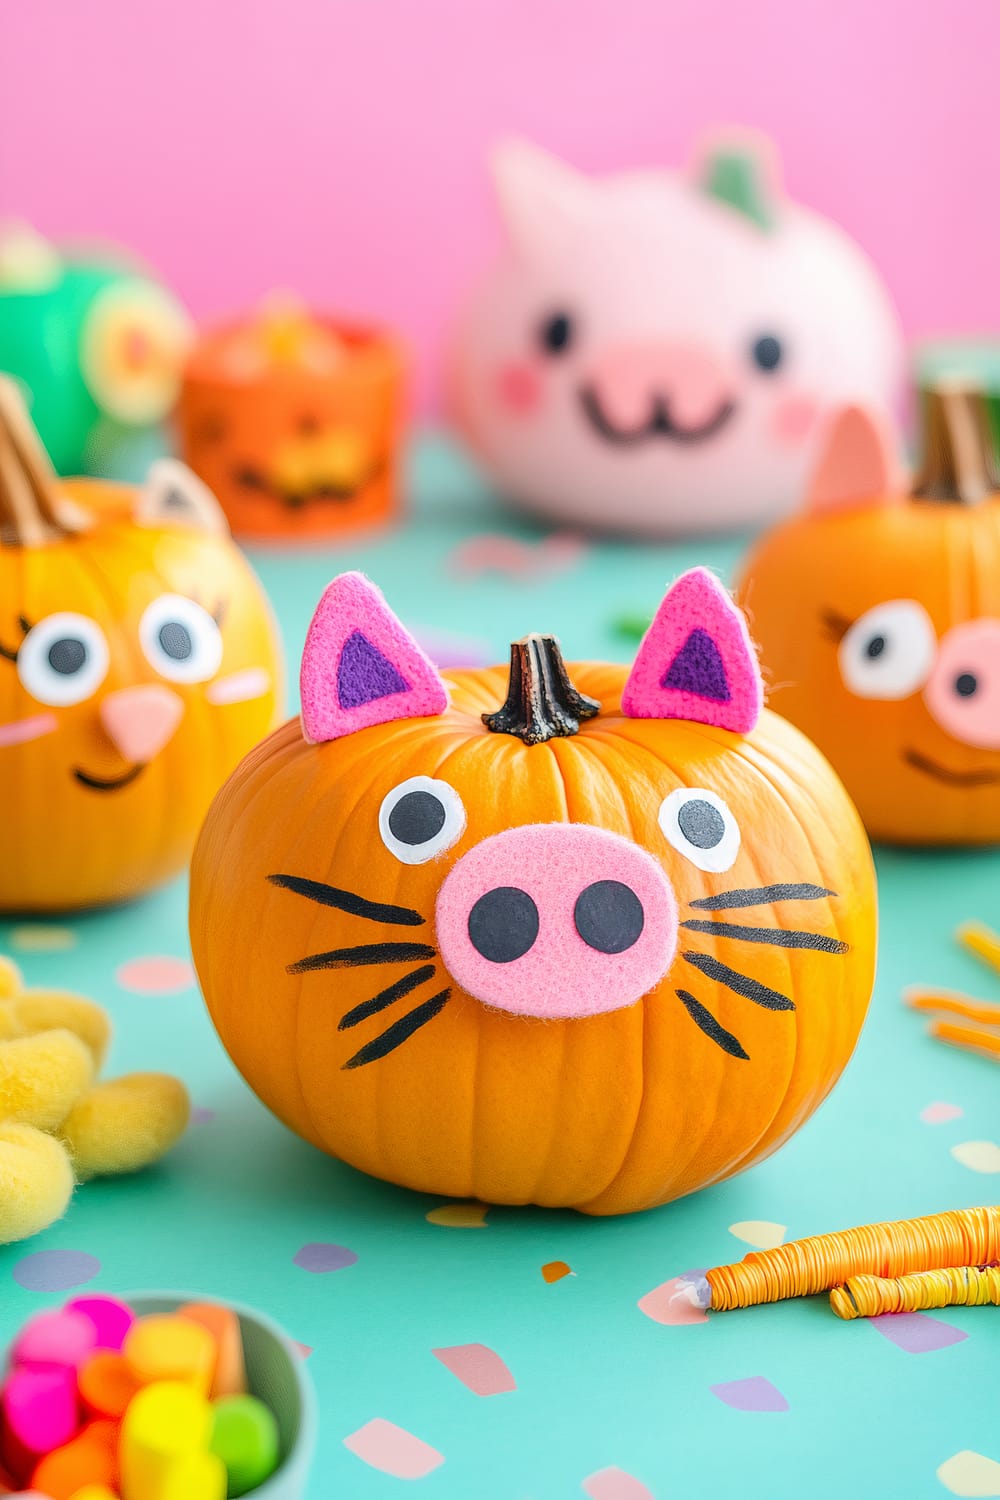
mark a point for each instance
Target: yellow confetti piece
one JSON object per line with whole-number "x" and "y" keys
{"x": 760, "y": 1233}
{"x": 970, "y": 1474}
{"x": 41, "y": 937}
{"x": 978, "y": 1156}
{"x": 982, "y": 941}
{"x": 459, "y": 1215}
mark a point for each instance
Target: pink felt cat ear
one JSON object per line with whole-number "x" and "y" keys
{"x": 696, "y": 661}
{"x": 544, "y": 203}
{"x": 857, "y": 464}
{"x": 361, "y": 667}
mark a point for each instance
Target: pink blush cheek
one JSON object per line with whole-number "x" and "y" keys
{"x": 518, "y": 388}
{"x": 793, "y": 419}
{"x": 21, "y": 731}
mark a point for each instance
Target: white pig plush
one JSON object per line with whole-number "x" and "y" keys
{"x": 655, "y": 351}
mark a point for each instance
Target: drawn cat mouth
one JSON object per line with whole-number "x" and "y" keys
{"x": 110, "y": 783}
{"x": 981, "y": 777}
{"x": 660, "y": 424}
{"x": 254, "y": 480}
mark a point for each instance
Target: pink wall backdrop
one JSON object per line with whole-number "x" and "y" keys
{"x": 337, "y": 146}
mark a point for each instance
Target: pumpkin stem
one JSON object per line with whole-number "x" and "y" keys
{"x": 959, "y": 462}
{"x": 31, "y": 513}
{"x": 541, "y": 701}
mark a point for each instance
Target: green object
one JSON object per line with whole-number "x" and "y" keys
{"x": 736, "y": 175}
{"x": 975, "y": 360}
{"x": 632, "y": 627}
{"x": 245, "y": 1437}
{"x": 599, "y": 1384}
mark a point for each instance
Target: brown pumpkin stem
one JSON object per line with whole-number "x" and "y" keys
{"x": 31, "y": 512}
{"x": 959, "y": 463}
{"x": 541, "y": 704}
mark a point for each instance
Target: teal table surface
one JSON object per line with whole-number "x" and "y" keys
{"x": 600, "y": 1386}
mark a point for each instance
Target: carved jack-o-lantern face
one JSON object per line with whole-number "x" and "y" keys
{"x": 138, "y": 661}
{"x": 599, "y": 947}
{"x": 878, "y": 617}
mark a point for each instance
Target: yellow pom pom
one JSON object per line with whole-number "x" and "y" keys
{"x": 36, "y": 1182}
{"x": 42, "y": 1076}
{"x": 126, "y": 1124}
{"x": 11, "y": 982}
{"x": 9, "y": 1023}
{"x": 45, "y": 1010}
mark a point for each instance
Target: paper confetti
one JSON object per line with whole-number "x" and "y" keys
{"x": 55, "y": 1270}
{"x": 555, "y": 1270}
{"x": 669, "y": 1303}
{"x": 615, "y": 1484}
{"x": 970, "y": 1474}
{"x": 916, "y": 1332}
{"x": 459, "y": 1215}
{"x": 157, "y": 975}
{"x": 41, "y": 937}
{"x": 753, "y": 1394}
{"x": 512, "y": 558}
{"x": 760, "y": 1233}
{"x": 319, "y": 1259}
{"x": 940, "y": 1113}
{"x": 978, "y": 1156}
{"x": 479, "y": 1368}
{"x": 392, "y": 1449}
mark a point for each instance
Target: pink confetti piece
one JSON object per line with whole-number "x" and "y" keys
{"x": 917, "y": 1333}
{"x": 156, "y": 975}
{"x": 940, "y": 1113}
{"x": 669, "y": 1303}
{"x": 392, "y": 1449}
{"x": 22, "y": 730}
{"x": 492, "y": 552}
{"x": 756, "y": 1393}
{"x": 239, "y": 687}
{"x": 479, "y": 1368}
{"x": 615, "y": 1484}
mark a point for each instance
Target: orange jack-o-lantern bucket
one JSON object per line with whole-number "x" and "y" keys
{"x": 294, "y": 423}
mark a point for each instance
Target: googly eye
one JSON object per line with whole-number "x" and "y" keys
{"x": 889, "y": 652}
{"x": 180, "y": 639}
{"x": 63, "y": 659}
{"x": 700, "y": 826}
{"x": 420, "y": 818}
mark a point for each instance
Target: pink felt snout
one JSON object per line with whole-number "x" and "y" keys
{"x": 963, "y": 693}
{"x": 557, "y": 920}
{"x": 688, "y": 380}
{"x": 140, "y": 720}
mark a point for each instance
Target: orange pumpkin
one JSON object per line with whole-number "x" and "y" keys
{"x": 878, "y": 616}
{"x": 138, "y": 662}
{"x": 600, "y": 946}
{"x": 294, "y": 423}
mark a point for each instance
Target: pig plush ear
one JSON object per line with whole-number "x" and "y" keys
{"x": 361, "y": 667}
{"x": 857, "y": 464}
{"x": 174, "y": 496}
{"x": 543, "y": 202}
{"x": 696, "y": 661}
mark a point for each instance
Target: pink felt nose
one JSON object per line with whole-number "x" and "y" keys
{"x": 688, "y": 379}
{"x": 140, "y": 720}
{"x": 963, "y": 693}
{"x": 557, "y": 920}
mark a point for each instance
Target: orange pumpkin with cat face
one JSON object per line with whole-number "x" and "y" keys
{"x": 878, "y": 616}
{"x": 597, "y": 945}
{"x": 138, "y": 661}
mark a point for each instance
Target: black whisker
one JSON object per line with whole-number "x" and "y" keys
{"x": 776, "y": 936}
{"x": 741, "y": 984}
{"x": 763, "y": 895}
{"x": 835, "y": 624}
{"x": 24, "y": 623}
{"x": 710, "y": 1026}
{"x": 355, "y": 906}
{"x": 399, "y": 1032}
{"x": 365, "y": 953}
{"x": 386, "y": 997}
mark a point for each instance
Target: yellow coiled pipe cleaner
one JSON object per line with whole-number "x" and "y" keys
{"x": 952, "y": 1286}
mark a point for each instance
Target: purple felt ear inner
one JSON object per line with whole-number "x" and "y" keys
{"x": 364, "y": 675}
{"x": 698, "y": 668}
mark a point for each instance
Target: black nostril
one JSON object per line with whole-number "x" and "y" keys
{"x": 503, "y": 924}
{"x": 609, "y": 916}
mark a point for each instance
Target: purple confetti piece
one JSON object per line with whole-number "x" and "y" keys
{"x": 202, "y": 1116}
{"x": 55, "y": 1270}
{"x": 322, "y": 1258}
{"x": 916, "y": 1332}
{"x": 753, "y": 1394}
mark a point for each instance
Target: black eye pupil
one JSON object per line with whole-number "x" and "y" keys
{"x": 67, "y": 656}
{"x": 557, "y": 333}
{"x": 966, "y": 684}
{"x": 875, "y": 646}
{"x": 701, "y": 824}
{"x": 767, "y": 352}
{"x": 175, "y": 640}
{"x": 417, "y": 818}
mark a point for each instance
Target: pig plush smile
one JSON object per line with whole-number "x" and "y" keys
{"x": 659, "y": 425}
